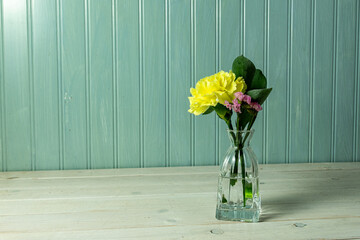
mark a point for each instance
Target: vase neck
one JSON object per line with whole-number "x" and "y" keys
{"x": 240, "y": 139}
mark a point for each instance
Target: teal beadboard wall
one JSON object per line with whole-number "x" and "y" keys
{"x": 104, "y": 83}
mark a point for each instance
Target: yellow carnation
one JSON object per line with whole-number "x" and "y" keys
{"x": 215, "y": 89}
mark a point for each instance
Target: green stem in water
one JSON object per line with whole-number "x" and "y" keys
{"x": 233, "y": 181}
{"x": 237, "y": 143}
{"x": 243, "y": 174}
{"x": 231, "y": 129}
{"x": 251, "y": 123}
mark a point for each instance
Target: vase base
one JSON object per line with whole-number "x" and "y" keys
{"x": 242, "y": 215}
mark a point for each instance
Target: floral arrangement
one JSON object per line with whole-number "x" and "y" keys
{"x": 242, "y": 91}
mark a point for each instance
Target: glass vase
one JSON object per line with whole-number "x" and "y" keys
{"x": 238, "y": 197}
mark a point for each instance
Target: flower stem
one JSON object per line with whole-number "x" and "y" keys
{"x": 231, "y": 129}
{"x": 248, "y": 129}
{"x": 240, "y": 145}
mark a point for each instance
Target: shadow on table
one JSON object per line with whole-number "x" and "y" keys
{"x": 305, "y": 195}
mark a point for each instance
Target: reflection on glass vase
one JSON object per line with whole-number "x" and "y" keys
{"x": 238, "y": 197}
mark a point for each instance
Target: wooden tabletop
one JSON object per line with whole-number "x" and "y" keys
{"x": 300, "y": 201}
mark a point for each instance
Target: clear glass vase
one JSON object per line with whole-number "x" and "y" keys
{"x": 238, "y": 197}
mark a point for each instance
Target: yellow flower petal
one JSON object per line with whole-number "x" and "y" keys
{"x": 214, "y": 89}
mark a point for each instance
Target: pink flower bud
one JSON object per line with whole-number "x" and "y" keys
{"x": 228, "y": 105}
{"x": 247, "y": 99}
{"x": 239, "y": 95}
{"x": 256, "y": 106}
{"x": 237, "y": 106}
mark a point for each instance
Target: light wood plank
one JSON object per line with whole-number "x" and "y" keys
{"x": 324, "y": 38}
{"x": 101, "y": 84}
{"x": 160, "y": 203}
{"x": 128, "y": 85}
{"x": 204, "y": 50}
{"x": 300, "y": 85}
{"x": 179, "y": 83}
{"x": 46, "y": 105}
{"x": 277, "y": 77}
{"x": 169, "y": 171}
{"x": 73, "y": 75}
{"x": 16, "y": 86}
{"x": 344, "y": 90}
{"x": 314, "y": 229}
{"x": 154, "y": 78}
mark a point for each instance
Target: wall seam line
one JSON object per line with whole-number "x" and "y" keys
{"x": 167, "y": 109}
{"x": 216, "y": 69}
{"x": 141, "y": 81}
{"x": 114, "y": 78}
{"x": 3, "y": 105}
{"x": 87, "y": 84}
{"x": 219, "y": 68}
{"x": 194, "y": 79}
{"x": 169, "y": 81}
{"x": 243, "y": 25}
{"x": 240, "y": 29}
{"x": 195, "y": 45}
{"x": 334, "y": 73}
{"x": 191, "y": 118}
{"x": 60, "y": 85}
{"x": 289, "y": 79}
{"x": 266, "y": 64}
{"x": 356, "y": 88}
{"x": 311, "y": 88}
{"x": 31, "y": 83}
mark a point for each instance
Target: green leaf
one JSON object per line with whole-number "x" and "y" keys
{"x": 210, "y": 110}
{"x": 259, "y": 95}
{"x": 245, "y": 118}
{"x": 223, "y": 112}
{"x": 223, "y": 199}
{"x": 243, "y": 67}
{"x": 259, "y": 81}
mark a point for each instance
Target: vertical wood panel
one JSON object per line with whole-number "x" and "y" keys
{"x": 229, "y": 50}
{"x": 265, "y": 144}
{"x": 2, "y": 104}
{"x": 45, "y": 84}
{"x": 205, "y": 146}
{"x": 87, "y": 82}
{"x": 141, "y": 80}
{"x": 334, "y": 89}
{"x": 17, "y": 98}
{"x": 73, "y": 78}
{"x": 311, "y": 85}
{"x": 322, "y": 80}
{"x": 154, "y": 83}
{"x": 290, "y": 21}
{"x": 254, "y": 50}
{"x": 277, "y": 77}
{"x": 346, "y": 58}
{"x": 101, "y": 94}
{"x": 357, "y": 80}
{"x": 128, "y": 83}
{"x": 300, "y": 86}
{"x": 193, "y": 76}
{"x": 179, "y": 72}
{"x": 101, "y": 84}
{"x": 217, "y": 69}
{"x": 114, "y": 82}
{"x": 167, "y": 83}
{"x": 30, "y": 46}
